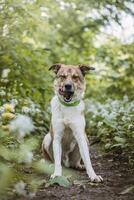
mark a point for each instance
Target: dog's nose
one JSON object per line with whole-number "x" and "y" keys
{"x": 68, "y": 87}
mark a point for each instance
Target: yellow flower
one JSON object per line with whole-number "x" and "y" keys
{"x": 8, "y": 107}
{"x": 7, "y": 115}
{"x": 5, "y": 127}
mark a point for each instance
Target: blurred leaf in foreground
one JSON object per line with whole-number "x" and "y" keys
{"x": 59, "y": 180}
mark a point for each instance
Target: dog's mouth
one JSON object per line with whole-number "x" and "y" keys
{"x": 67, "y": 95}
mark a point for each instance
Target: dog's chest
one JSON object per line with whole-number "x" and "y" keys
{"x": 66, "y": 114}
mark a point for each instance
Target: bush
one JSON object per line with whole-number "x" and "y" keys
{"x": 112, "y": 122}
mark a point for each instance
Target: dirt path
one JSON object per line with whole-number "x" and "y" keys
{"x": 117, "y": 177}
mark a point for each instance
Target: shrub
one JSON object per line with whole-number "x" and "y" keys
{"x": 112, "y": 122}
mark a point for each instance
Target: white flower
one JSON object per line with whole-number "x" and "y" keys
{"x": 121, "y": 110}
{"x": 21, "y": 125}
{"x": 28, "y": 157}
{"x": 2, "y": 93}
{"x": 25, "y": 155}
{"x": 2, "y": 110}
{"x": 20, "y": 188}
{"x": 14, "y": 102}
{"x": 112, "y": 115}
{"x": 125, "y": 98}
{"x": 130, "y": 126}
{"x": 104, "y": 113}
{"x": 37, "y": 110}
{"x": 100, "y": 123}
{"x": 115, "y": 103}
{"x": 125, "y": 118}
{"x": 25, "y": 109}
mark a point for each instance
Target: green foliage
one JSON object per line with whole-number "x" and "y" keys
{"x": 14, "y": 157}
{"x": 34, "y": 35}
{"x": 113, "y": 123}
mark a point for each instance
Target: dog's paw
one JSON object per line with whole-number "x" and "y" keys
{"x": 55, "y": 175}
{"x": 80, "y": 167}
{"x": 96, "y": 178}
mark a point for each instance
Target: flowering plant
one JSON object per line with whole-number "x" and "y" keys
{"x": 112, "y": 122}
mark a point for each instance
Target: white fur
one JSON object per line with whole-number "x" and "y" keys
{"x": 46, "y": 143}
{"x": 72, "y": 117}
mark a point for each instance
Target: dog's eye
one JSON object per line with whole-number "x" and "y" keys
{"x": 75, "y": 77}
{"x": 62, "y": 76}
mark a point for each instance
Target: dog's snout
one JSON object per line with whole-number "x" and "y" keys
{"x": 68, "y": 86}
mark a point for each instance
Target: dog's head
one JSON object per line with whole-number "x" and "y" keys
{"x": 69, "y": 83}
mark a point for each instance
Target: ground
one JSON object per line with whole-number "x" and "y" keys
{"x": 117, "y": 177}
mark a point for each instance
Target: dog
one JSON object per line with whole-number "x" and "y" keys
{"x": 66, "y": 143}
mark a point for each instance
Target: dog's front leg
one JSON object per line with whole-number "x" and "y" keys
{"x": 79, "y": 133}
{"x": 58, "y": 132}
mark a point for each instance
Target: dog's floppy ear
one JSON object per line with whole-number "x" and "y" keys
{"x": 55, "y": 68}
{"x": 85, "y": 69}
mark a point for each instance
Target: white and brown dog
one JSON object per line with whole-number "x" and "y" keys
{"x": 66, "y": 141}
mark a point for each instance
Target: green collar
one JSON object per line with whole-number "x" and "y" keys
{"x": 69, "y": 104}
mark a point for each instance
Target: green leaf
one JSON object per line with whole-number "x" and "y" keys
{"x": 107, "y": 146}
{"x": 59, "y": 180}
{"x": 119, "y": 139}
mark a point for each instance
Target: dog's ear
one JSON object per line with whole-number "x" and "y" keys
{"x": 55, "y": 68}
{"x": 85, "y": 69}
